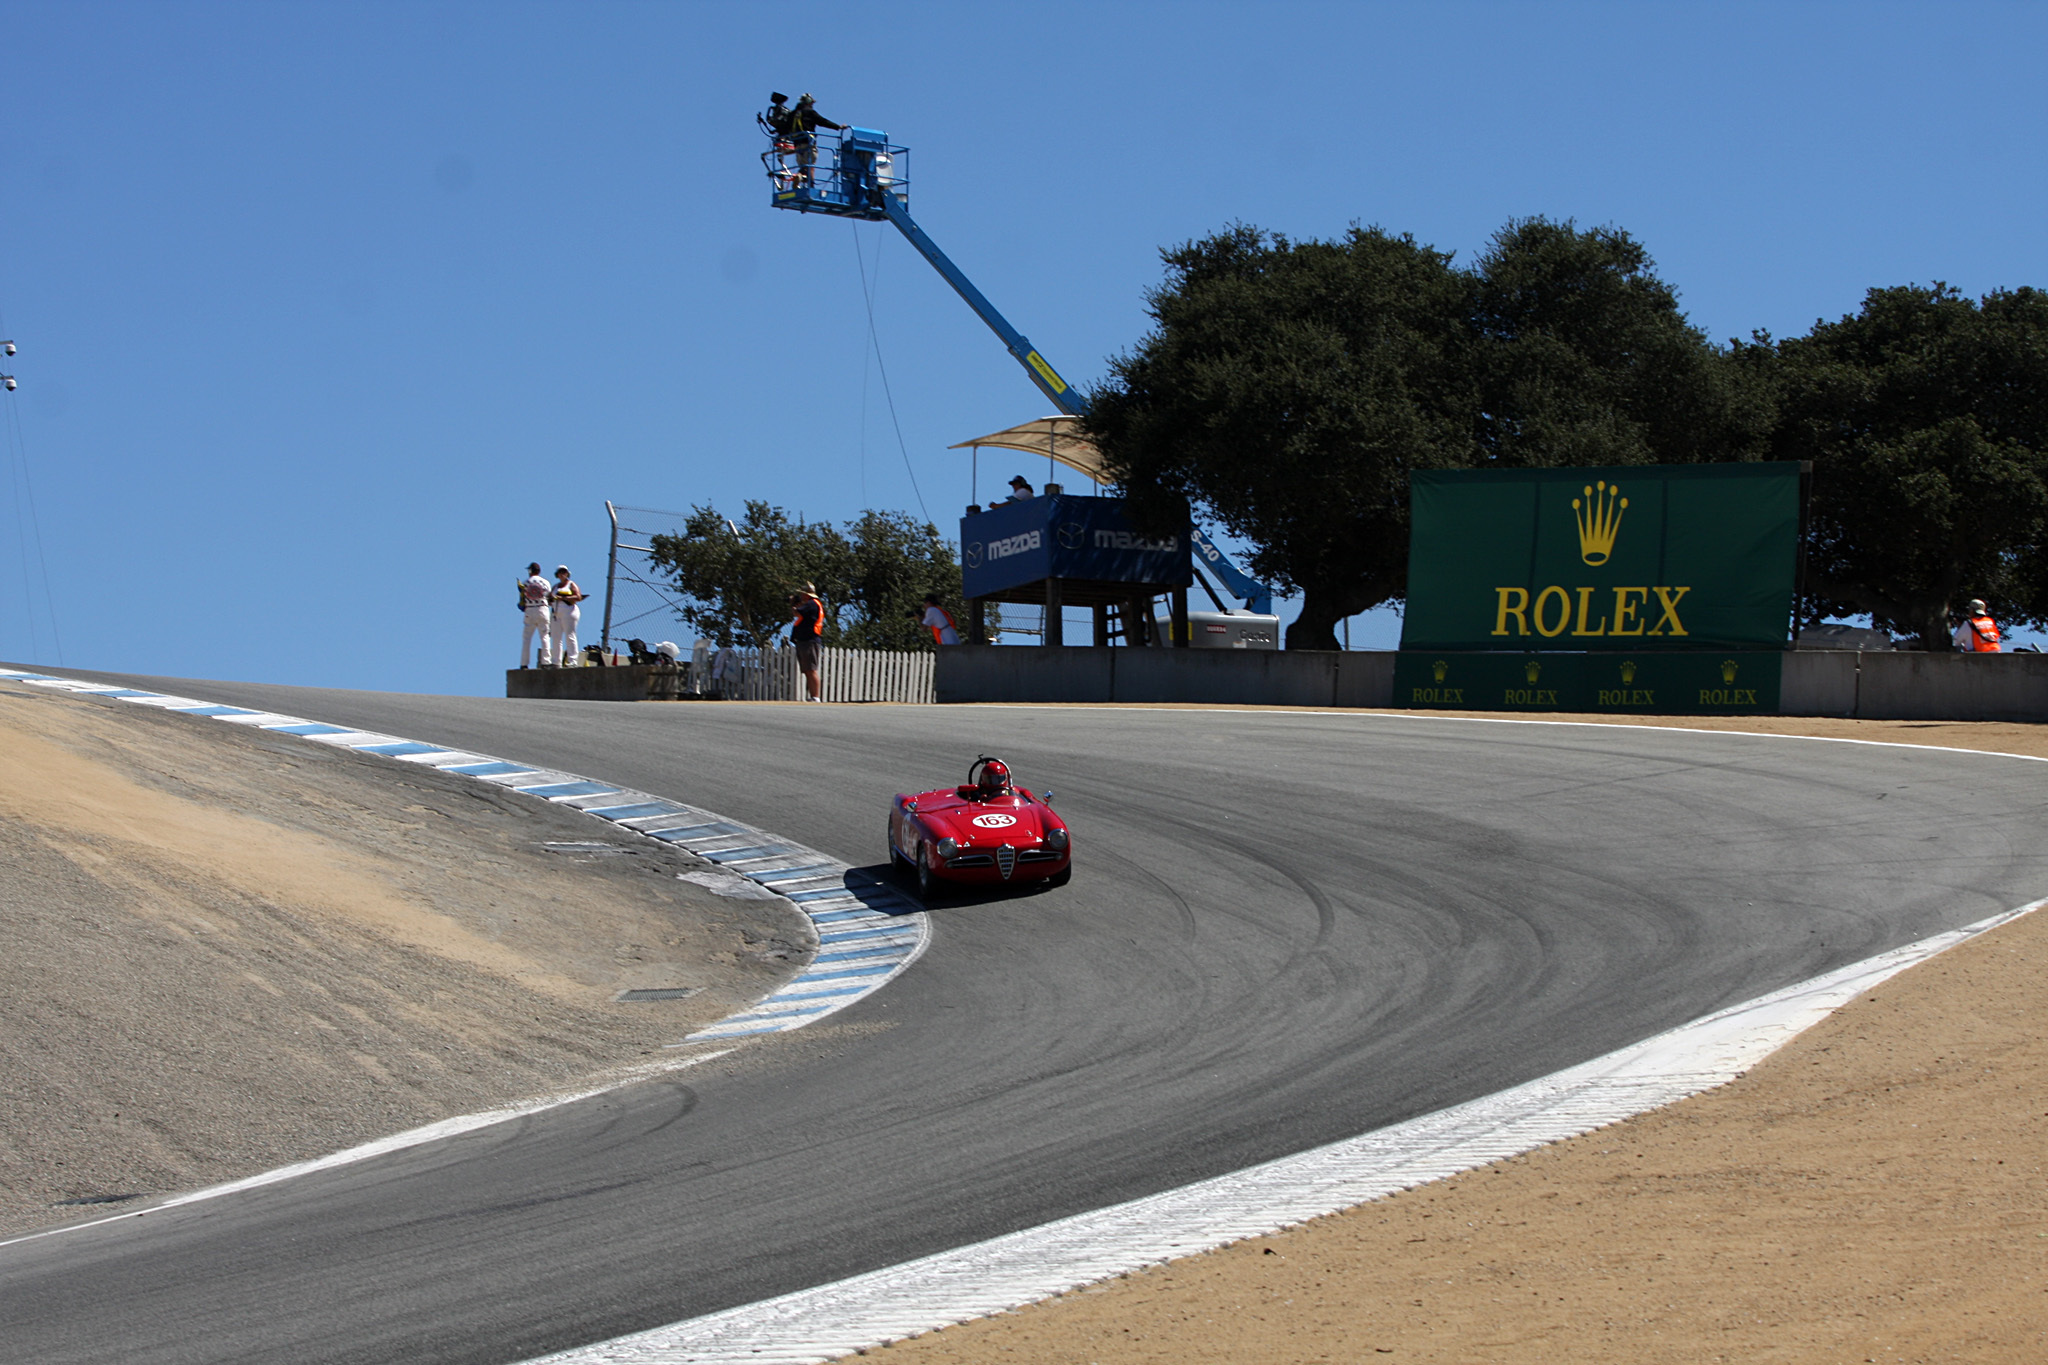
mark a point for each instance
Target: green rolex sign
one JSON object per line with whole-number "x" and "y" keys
{"x": 1642, "y": 559}
{"x": 1645, "y": 589}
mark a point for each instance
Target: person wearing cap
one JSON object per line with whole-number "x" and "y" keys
{"x": 807, "y": 632}
{"x": 1020, "y": 489}
{"x": 1978, "y": 634}
{"x": 564, "y": 607}
{"x": 804, "y": 121}
{"x": 939, "y": 621}
{"x": 533, "y": 605}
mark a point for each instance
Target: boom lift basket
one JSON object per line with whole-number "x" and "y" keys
{"x": 843, "y": 173}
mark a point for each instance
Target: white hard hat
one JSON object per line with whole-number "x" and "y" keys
{"x": 669, "y": 648}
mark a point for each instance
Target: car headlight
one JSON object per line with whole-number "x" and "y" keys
{"x": 947, "y": 847}
{"x": 1056, "y": 840}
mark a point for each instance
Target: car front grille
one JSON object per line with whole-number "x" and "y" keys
{"x": 1006, "y": 861}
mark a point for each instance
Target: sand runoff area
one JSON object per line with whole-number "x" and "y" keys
{"x": 220, "y": 951}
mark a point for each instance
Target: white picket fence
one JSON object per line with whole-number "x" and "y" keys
{"x": 848, "y": 675}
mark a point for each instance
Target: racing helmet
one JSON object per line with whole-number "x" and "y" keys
{"x": 993, "y": 778}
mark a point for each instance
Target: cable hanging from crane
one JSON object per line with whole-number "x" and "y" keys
{"x": 875, "y": 340}
{"x": 867, "y": 353}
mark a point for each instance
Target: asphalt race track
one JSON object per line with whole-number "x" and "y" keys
{"x": 1283, "y": 929}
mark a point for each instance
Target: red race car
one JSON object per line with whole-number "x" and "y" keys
{"x": 987, "y": 833}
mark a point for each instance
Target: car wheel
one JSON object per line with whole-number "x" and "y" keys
{"x": 927, "y": 884}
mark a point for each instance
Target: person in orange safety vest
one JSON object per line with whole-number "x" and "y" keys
{"x": 939, "y": 621}
{"x": 1978, "y": 634}
{"x": 806, "y": 633}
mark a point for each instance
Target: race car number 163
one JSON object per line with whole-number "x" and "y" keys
{"x": 995, "y": 821}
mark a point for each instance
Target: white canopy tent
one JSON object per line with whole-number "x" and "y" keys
{"x": 1058, "y": 439}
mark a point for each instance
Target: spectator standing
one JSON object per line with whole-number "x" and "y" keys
{"x": 1978, "y": 634}
{"x": 1020, "y": 489}
{"x": 939, "y": 621}
{"x": 725, "y": 671}
{"x": 533, "y": 605}
{"x": 566, "y": 609}
{"x": 807, "y": 633}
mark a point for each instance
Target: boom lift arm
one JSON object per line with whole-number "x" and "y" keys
{"x": 1063, "y": 395}
{"x": 862, "y": 175}
{"x": 1256, "y": 595}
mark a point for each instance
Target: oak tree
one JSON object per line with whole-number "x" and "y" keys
{"x": 734, "y": 578}
{"x": 1926, "y": 417}
{"x": 1285, "y": 391}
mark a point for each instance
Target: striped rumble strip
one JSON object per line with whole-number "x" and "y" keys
{"x": 868, "y": 930}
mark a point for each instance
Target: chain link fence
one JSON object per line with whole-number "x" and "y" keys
{"x": 638, "y": 602}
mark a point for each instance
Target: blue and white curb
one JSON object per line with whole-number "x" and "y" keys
{"x": 869, "y": 932}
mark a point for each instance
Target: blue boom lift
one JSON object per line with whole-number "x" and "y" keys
{"x": 859, "y": 173}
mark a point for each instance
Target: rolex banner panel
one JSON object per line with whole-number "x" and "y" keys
{"x": 1636, "y": 558}
{"x": 1734, "y": 682}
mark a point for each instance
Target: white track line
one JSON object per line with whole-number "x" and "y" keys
{"x": 384, "y": 1146}
{"x": 1008, "y": 1272}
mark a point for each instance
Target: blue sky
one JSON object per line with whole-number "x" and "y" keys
{"x": 332, "y": 317}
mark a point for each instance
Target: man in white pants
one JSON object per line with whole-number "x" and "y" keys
{"x": 566, "y": 613}
{"x": 533, "y": 603}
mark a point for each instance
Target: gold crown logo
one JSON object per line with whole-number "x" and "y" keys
{"x": 1628, "y": 670}
{"x": 1599, "y": 521}
{"x": 1532, "y": 670}
{"x": 1439, "y": 668}
{"x": 1728, "y": 667}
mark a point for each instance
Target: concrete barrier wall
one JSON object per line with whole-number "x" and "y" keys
{"x": 1365, "y": 677}
{"x": 1068, "y": 673}
{"x": 1246, "y": 677}
{"x": 1909, "y": 685}
{"x": 1878, "y": 686}
{"x": 1905, "y": 685}
{"x": 1818, "y": 682}
{"x": 623, "y": 682}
